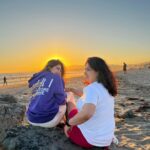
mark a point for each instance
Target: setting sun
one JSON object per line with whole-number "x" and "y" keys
{"x": 65, "y": 62}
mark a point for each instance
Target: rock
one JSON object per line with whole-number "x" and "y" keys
{"x": 38, "y": 138}
{"x": 146, "y": 105}
{"x": 126, "y": 114}
{"x": 11, "y": 114}
{"x": 25, "y": 93}
{"x": 143, "y": 107}
{"x": 133, "y": 98}
{"x": 7, "y": 99}
{"x": 122, "y": 104}
{"x": 142, "y": 100}
{"x": 14, "y": 136}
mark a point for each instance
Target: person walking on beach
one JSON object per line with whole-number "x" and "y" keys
{"x": 91, "y": 119}
{"x": 5, "y": 80}
{"x": 124, "y": 68}
{"x": 47, "y": 105}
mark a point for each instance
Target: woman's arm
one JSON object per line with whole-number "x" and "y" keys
{"x": 59, "y": 92}
{"x": 85, "y": 114}
{"x": 77, "y": 92}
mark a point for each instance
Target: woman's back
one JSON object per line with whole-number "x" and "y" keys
{"x": 47, "y": 94}
{"x": 99, "y": 129}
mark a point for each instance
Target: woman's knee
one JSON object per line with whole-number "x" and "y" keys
{"x": 62, "y": 109}
{"x": 70, "y": 97}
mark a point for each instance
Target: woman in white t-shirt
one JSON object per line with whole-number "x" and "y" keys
{"x": 91, "y": 120}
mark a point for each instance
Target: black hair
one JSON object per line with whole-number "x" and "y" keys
{"x": 105, "y": 76}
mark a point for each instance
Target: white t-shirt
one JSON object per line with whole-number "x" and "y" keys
{"x": 99, "y": 129}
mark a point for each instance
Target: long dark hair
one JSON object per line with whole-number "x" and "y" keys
{"x": 105, "y": 76}
{"x": 54, "y": 62}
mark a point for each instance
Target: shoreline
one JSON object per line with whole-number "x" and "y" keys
{"x": 20, "y": 84}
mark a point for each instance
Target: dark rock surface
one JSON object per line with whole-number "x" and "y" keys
{"x": 15, "y": 136}
{"x": 126, "y": 114}
{"x": 11, "y": 113}
{"x": 37, "y": 138}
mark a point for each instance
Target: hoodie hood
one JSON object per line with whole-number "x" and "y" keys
{"x": 36, "y": 77}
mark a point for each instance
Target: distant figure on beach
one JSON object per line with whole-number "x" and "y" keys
{"x": 5, "y": 80}
{"x": 47, "y": 105}
{"x": 124, "y": 67}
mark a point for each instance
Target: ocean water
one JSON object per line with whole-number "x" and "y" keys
{"x": 22, "y": 78}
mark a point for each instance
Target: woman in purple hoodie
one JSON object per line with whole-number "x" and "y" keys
{"x": 48, "y": 101}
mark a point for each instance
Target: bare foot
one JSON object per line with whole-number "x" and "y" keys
{"x": 66, "y": 129}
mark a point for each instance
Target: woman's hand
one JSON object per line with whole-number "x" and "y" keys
{"x": 68, "y": 89}
{"x": 77, "y": 92}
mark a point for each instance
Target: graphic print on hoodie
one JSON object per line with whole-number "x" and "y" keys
{"x": 47, "y": 95}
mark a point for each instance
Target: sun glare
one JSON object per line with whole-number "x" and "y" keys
{"x": 62, "y": 59}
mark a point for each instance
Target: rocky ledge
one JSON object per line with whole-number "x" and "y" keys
{"x": 15, "y": 136}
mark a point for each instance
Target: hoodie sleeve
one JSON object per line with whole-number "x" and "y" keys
{"x": 59, "y": 91}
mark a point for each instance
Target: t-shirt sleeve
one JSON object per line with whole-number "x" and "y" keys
{"x": 90, "y": 95}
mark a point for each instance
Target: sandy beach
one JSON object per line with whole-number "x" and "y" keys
{"x": 133, "y": 110}
{"x": 132, "y": 106}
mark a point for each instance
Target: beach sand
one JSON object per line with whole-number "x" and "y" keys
{"x": 133, "y": 131}
{"x": 132, "y": 106}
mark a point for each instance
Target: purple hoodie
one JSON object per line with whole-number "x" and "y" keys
{"x": 47, "y": 95}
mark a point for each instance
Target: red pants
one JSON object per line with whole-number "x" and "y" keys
{"x": 76, "y": 136}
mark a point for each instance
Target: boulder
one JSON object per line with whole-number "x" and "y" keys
{"x": 11, "y": 114}
{"x": 37, "y": 138}
{"x": 126, "y": 114}
{"x": 15, "y": 136}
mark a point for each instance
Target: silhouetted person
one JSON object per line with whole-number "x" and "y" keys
{"x": 124, "y": 67}
{"x": 5, "y": 80}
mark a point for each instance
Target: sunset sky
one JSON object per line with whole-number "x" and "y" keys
{"x": 34, "y": 31}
